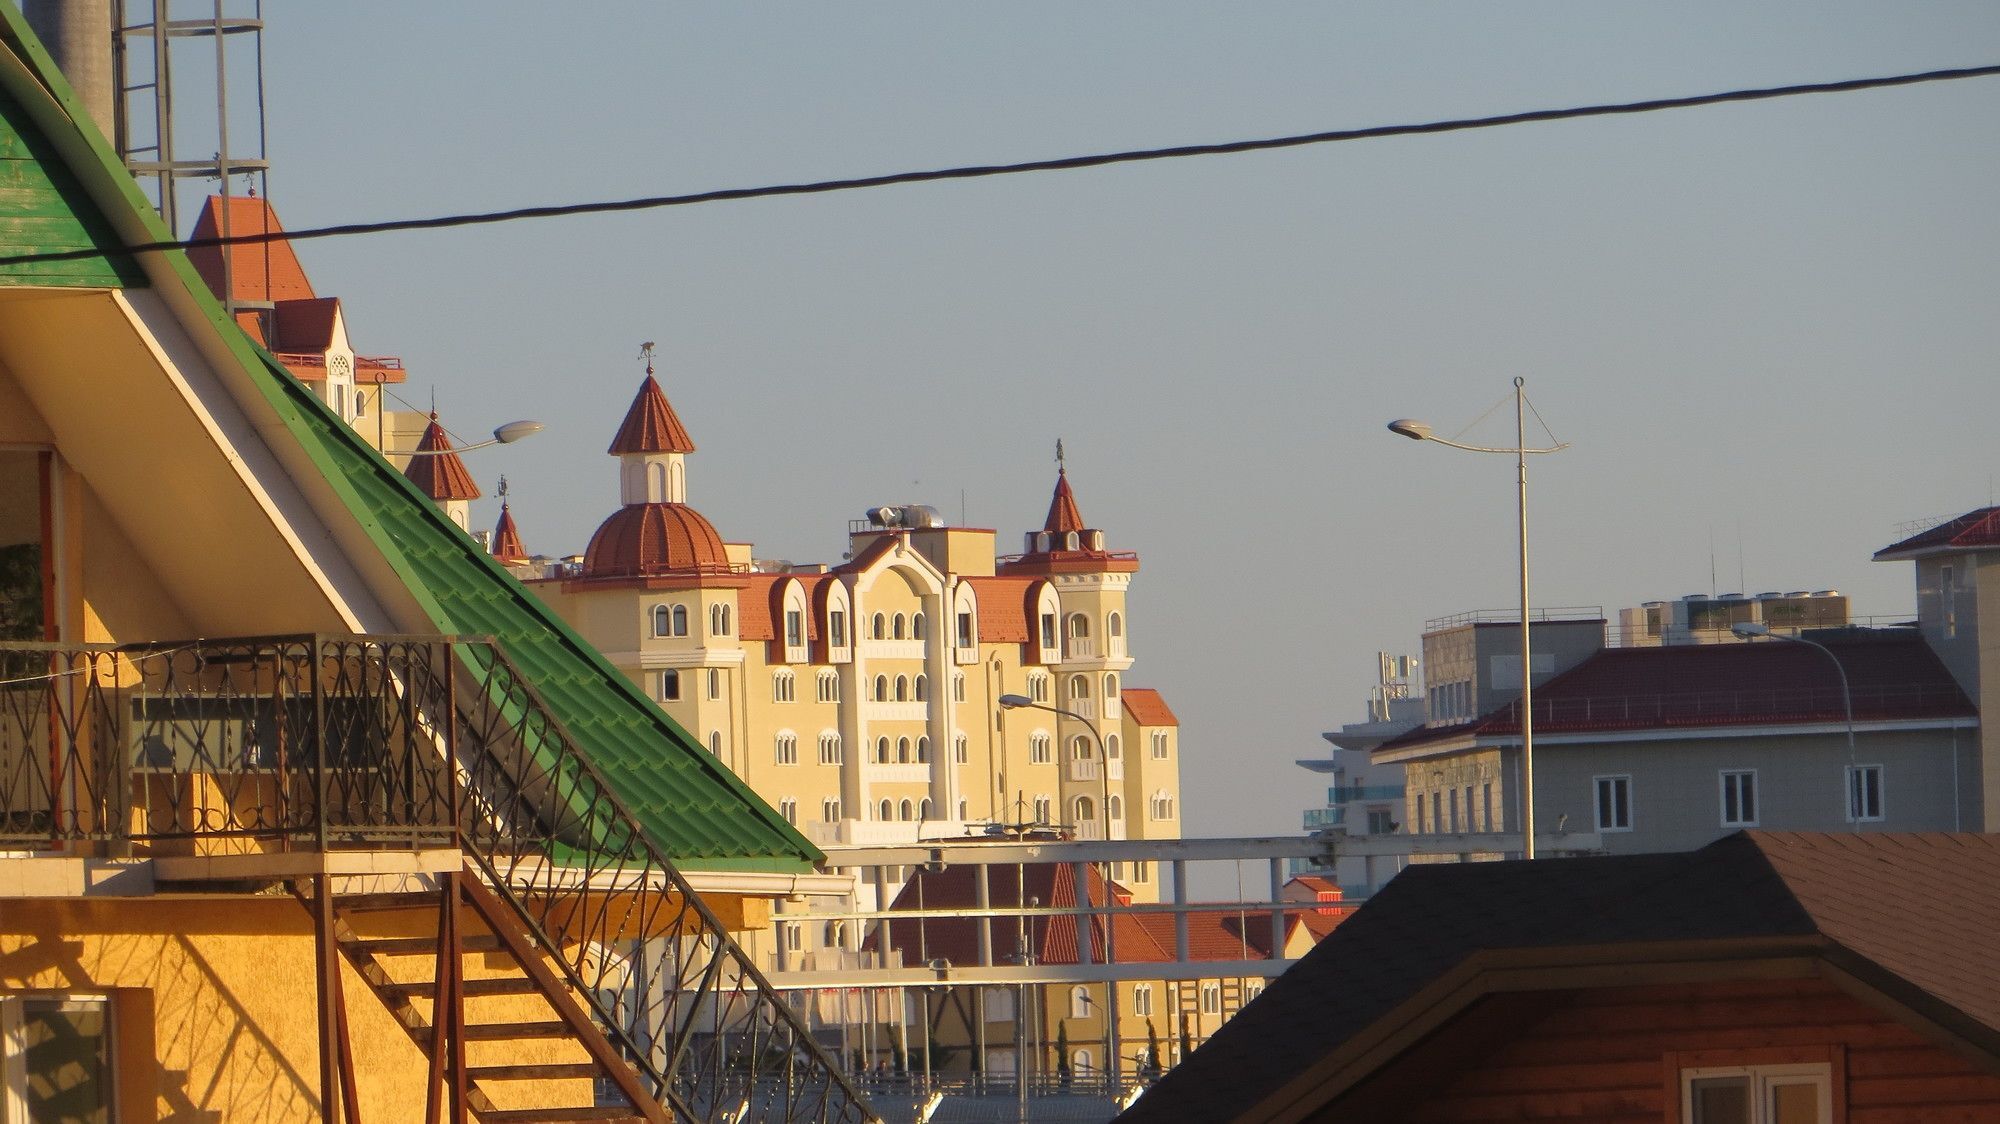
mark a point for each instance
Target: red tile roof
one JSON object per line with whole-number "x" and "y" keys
{"x": 650, "y": 425}
{"x": 1892, "y": 674}
{"x": 1146, "y": 707}
{"x": 1006, "y": 606}
{"x": 304, "y": 325}
{"x": 1975, "y": 530}
{"x": 1908, "y": 916}
{"x": 655, "y": 538}
{"x": 507, "y": 539}
{"x": 442, "y": 477}
{"x": 264, "y": 271}
{"x": 1063, "y": 516}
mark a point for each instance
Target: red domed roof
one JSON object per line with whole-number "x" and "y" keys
{"x": 654, "y": 538}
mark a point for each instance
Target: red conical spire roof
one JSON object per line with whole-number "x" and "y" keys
{"x": 507, "y": 538}
{"x": 1063, "y": 515}
{"x": 651, "y": 426}
{"x": 443, "y": 476}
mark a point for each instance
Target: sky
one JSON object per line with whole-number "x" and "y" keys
{"x": 1767, "y": 330}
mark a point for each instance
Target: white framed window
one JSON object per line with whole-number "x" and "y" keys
{"x": 1079, "y": 748}
{"x": 663, "y": 621}
{"x": 789, "y": 808}
{"x": 715, "y": 742}
{"x": 795, "y": 628}
{"x": 1079, "y": 688}
{"x": 907, "y": 810}
{"x": 1044, "y": 809}
{"x": 965, "y": 633}
{"x": 670, "y": 686}
{"x": 784, "y": 686}
{"x": 886, "y": 810}
{"x": 1757, "y": 1094}
{"x": 1739, "y": 797}
{"x": 1613, "y": 798}
{"x": 961, "y": 749}
{"x": 718, "y": 619}
{"x": 917, "y": 629}
{"x": 829, "y": 749}
{"x": 1159, "y": 745}
{"x": 1038, "y": 687}
{"x": 1039, "y": 748}
{"x": 1079, "y": 1003}
{"x": 714, "y": 683}
{"x": 882, "y": 751}
{"x": 902, "y": 751}
{"x": 1115, "y": 807}
{"x": 1211, "y": 997}
{"x": 896, "y": 627}
{"x": 827, "y": 688}
{"x": 879, "y": 627}
{"x": 923, "y": 687}
{"x": 1864, "y": 793}
{"x": 829, "y": 810}
{"x": 787, "y": 748}
{"x": 1049, "y": 633}
{"x": 902, "y": 688}
{"x": 1142, "y": 999}
{"x": 923, "y": 750}
{"x": 55, "y": 1058}
{"x": 836, "y": 629}
{"x": 958, "y": 686}
{"x": 1112, "y": 749}
{"x": 1161, "y": 806}
{"x": 1142, "y": 872}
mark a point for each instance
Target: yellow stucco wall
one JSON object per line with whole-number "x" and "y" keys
{"x": 215, "y": 1009}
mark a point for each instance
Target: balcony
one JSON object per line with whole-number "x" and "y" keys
{"x": 1317, "y": 818}
{"x": 1348, "y": 794}
{"x": 1083, "y": 768}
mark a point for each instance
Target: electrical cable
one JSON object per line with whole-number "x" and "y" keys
{"x": 1068, "y": 163}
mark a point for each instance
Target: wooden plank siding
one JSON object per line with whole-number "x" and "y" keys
{"x": 1609, "y": 1056}
{"x": 43, "y": 208}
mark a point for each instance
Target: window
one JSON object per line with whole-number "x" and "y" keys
{"x": 923, "y": 751}
{"x": 783, "y": 686}
{"x": 1757, "y": 1094}
{"x": 829, "y": 810}
{"x": 881, "y": 627}
{"x": 1486, "y": 807}
{"x": 679, "y": 621}
{"x": 907, "y": 810}
{"x": 57, "y": 1059}
{"x": 670, "y": 686}
{"x": 896, "y": 628}
{"x": 1115, "y": 807}
{"x": 917, "y": 627}
{"x": 663, "y": 621}
{"x": 923, "y": 688}
{"x": 1110, "y": 689}
{"x": 1038, "y": 749}
{"x": 882, "y": 751}
{"x": 718, "y": 620}
{"x": 828, "y": 687}
{"x": 1086, "y": 809}
{"x": 958, "y": 686}
{"x": 964, "y": 810}
{"x": 1614, "y": 803}
{"x": 902, "y": 688}
{"x": 902, "y": 751}
{"x": 1079, "y": 687}
{"x": 1162, "y": 805}
{"x": 888, "y": 811}
{"x": 924, "y": 808}
{"x": 1864, "y": 792}
{"x": 881, "y": 692}
{"x": 714, "y": 683}
{"x": 1739, "y": 798}
{"x": 1048, "y": 632}
{"x": 829, "y": 749}
{"x": 1437, "y": 811}
{"x": 965, "y": 630}
{"x": 1420, "y": 815}
{"x": 1211, "y": 997}
{"x": 795, "y": 628}
{"x": 789, "y": 808}
{"x": 836, "y": 629}
{"x": 788, "y": 748}
{"x": 1044, "y": 809}
{"x": 1470, "y": 823}
{"x": 1079, "y": 748}
{"x": 1453, "y": 821}
{"x": 1112, "y": 752}
{"x": 1079, "y": 626}
{"x": 1142, "y": 999}
{"x": 1252, "y": 991}
{"x": 961, "y": 749}
{"x": 1379, "y": 822}
{"x": 1038, "y": 687}
{"x": 1159, "y": 745}
{"x": 715, "y": 742}
{"x": 1114, "y": 626}
{"x": 1079, "y": 1003}
{"x": 1142, "y": 872}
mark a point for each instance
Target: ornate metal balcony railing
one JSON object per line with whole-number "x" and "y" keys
{"x": 356, "y": 742}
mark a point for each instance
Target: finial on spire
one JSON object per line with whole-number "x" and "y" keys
{"x": 503, "y": 491}
{"x": 1059, "y": 455}
{"x": 646, "y": 353}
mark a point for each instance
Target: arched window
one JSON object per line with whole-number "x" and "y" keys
{"x": 888, "y": 811}
{"x": 828, "y": 689}
{"x": 715, "y": 625}
{"x": 715, "y": 742}
{"x": 788, "y": 807}
{"x": 670, "y": 686}
{"x": 680, "y": 620}
{"x": 1079, "y": 626}
{"x": 923, "y": 688}
{"x": 1114, "y": 626}
{"x": 1162, "y": 805}
{"x": 1112, "y": 752}
{"x": 1079, "y": 1003}
{"x": 783, "y": 686}
{"x": 1115, "y": 807}
{"x": 663, "y": 621}
{"x": 1079, "y": 687}
{"x": 961, "y": 750}
{"x": 908, "y": 810}
{"x": 1111, "y": 687}
{"x": 896, "y": 627}
{"x": 829, "y": 810}
{"x": 1079, "y": 748}
{"x": 882, "y": 750}
{"x": 917, "y": 627}
{"x": 1038, "y": 687}
{"x": 656, "y": 483}
{"x": 964, "y": 810}
{"x": 924, "y": 808}
{"x": 881, "y": 626}
{"x": 881, "y": 688}
{"x": 902, "y": 688}
{"x": 902, "y": 751}
{"x": 1086, "y": 810}
{"x": 1038, "y": 749}
{"x": 958, "y": 686}
{"x": 923, "y": 751}
{"x": 829, "y": 748}
{"x": 788, "y": 748}
{"x": 1044, "y": 809}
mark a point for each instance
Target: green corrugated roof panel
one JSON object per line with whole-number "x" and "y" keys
{"x": 694, "y": 809}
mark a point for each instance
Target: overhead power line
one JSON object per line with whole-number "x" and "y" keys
{"x": 978, "y": 171}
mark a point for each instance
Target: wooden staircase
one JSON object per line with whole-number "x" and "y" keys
{"x": 507, "y": 1041}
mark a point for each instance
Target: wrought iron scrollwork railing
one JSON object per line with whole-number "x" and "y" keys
{"x": 371, "y": 741}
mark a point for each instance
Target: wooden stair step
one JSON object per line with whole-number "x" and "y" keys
{"x": 501, "y": 1032}
{"x": 366, "y": 903}
{"x": 410, "y": 946}
{"x": 609, "y": 1115}
{"x": 502, "y": 985}
{"x": 534, "y": 1071}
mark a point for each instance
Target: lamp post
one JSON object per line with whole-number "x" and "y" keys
{"x": 1023, "y": 702}
{"x": 505, "y": 435}
{"x": 1751, "y": 630}
{"x": 1418, "y": 431}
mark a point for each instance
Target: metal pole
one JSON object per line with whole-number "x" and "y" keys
{"x": 1527, "y": 648}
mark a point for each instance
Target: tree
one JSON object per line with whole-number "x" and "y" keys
{"x": 1152, "y": 1066}
{"x": 1062, "y": 1052}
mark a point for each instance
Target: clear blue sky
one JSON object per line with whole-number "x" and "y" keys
{"x": 1778, "y": 317}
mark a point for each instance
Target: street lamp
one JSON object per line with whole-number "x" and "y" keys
{"x": 1751, "y": 630}
{"x": 1418, "y": 431}
{"x": 1023, "y": 702}
{"x": 505, "y": 435}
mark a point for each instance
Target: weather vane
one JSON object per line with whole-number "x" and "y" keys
{"x": 503, "y": 491}
{"x": 1059, "y": 454}
{"x": 646, "y": 353}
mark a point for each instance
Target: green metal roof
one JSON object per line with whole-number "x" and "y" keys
{"x": 694, "y": 809}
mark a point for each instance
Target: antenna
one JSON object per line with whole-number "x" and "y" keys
{"x": 1741, "y": 585}
{"x": 1711, "y": 560}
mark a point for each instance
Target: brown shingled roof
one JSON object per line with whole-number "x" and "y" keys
{"x": 1063, "y": 516}
{"x": 507, "y": 539}
{"x": 1911, "y": 917}
{"x": 1005, "y": 608}
{"x": 650, "y": 425}
{"x": 1146, "y": 707}
{"x": 443, "y": 476}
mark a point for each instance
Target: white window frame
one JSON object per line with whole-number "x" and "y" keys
{"x": 1735, "y": 779}
{"x": 1762, "y": 1078}
{"x": 13, "y": 1050}
{"x": 1854, "y": 810}
{"x": 786, "y": 748}
{"x": 1142, "y": 999}
{"x": 1618, "y": 780}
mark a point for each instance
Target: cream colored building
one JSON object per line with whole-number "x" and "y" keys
{"x": 862, "y": 699}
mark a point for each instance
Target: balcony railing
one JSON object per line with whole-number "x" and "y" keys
{"x": 353, "y": 742}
